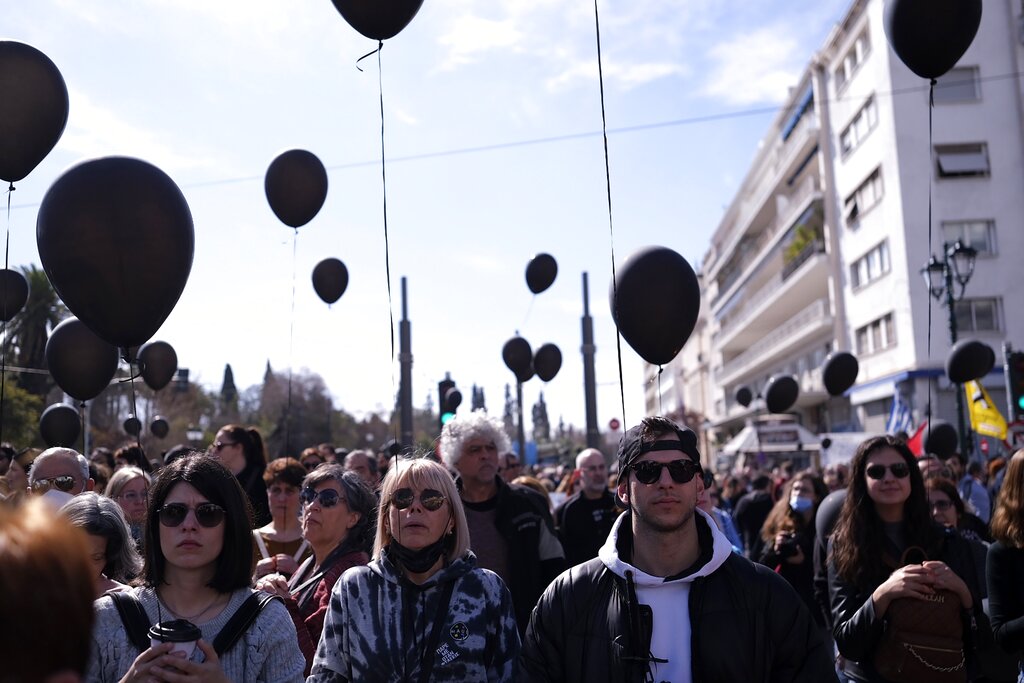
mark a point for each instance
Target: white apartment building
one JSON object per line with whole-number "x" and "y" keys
{"x": 823, "y": 245}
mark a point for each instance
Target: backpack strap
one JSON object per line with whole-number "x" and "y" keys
{"x": 134, "y": 618}
{"x": 240, "y": 621}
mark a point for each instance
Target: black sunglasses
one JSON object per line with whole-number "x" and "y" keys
{"x": 681, "y": 471}
{"x": 328, "y": 498}
{"x": 430, "y": 499}
{"x": 208, "y": 515}
{"x": 64, "y": 483}
{"x": 900, "y": 470}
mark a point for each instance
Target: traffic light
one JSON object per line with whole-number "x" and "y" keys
{"x": 449, "y": 399}
{"x": 1015, "y": 380}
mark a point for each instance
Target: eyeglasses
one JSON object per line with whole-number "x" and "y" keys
{"x": 134, "y": 497}
{"x": 64, "y": 483}
{"x": 900, "y": 470}
{"x": 207, "y": 514}
{"x": 681, "y": 471}
{"x": 217, "y": 445}
{"x": 327, "y": 498}
{"x": 430, "y": 499}
{"x": 941, "y": 505}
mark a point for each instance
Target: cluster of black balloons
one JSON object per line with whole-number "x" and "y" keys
{"x": 930, "y": 36}
{"x": 524, "y": 363}
{"x": 159, "y": 427}
{"x": 838, "y": 373}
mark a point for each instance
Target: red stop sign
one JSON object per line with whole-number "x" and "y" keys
{"x": 614, "y": 424}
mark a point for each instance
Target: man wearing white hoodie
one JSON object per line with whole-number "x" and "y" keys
{"x": 667, "y": 600}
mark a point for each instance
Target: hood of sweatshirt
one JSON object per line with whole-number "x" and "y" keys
{"x": 449, "y": 572}
{"x": 714, "y": 550}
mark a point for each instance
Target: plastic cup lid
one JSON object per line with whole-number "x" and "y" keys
{"x": 177, "y": 631}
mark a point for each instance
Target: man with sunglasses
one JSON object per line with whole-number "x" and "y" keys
{"x": 61, "y": 469}
{"x": 667, "y": 599}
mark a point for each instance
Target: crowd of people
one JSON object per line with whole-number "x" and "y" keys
{"x": 468, "y": 565}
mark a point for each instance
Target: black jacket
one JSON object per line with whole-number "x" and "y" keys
{"x": 583, "y": 525}
{"x": 747, "y": 625}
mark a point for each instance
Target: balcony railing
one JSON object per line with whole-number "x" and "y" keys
{"x": 815, "y": 247}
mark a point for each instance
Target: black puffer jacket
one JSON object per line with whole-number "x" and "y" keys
{"x": 747, "y": 625}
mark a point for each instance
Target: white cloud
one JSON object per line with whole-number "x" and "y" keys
{"x": 755, "y": 67}
{"x": 472, "y": 36}
{"x": 626, "y": 75}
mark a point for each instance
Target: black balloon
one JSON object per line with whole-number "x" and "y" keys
{"x": 116, "y": 240}
{"x": 969, "y": 359}
{"x": 80, "y": 362}
{"x": 839, "y": 372}
{"x": 33, "y": 109}
{"x": 330, "y": 279}
{"x": 157, "y": 362}
{"x": 930, "y": 36}
{"x": 132, "y": 426}
{"x": 296, "y": 186}
{"x": 518, "y": 357}
{"x": 547, "y": 362}
{"x": 781, "y": 393}
{"x": 159, "y": 427}
{"x": 541, "y": 272}
{"x": 378, "y": 19}
{"x": 655, "y": 300}
{"x": 940, "y": 438}
{"x": 828, "y": 513}
{"x": 13, "y": 293}
{"x": 744, "y": 396}
{"x": 59, "y": 425}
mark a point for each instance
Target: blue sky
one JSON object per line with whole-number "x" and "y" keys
{"x": 211, "y": 92}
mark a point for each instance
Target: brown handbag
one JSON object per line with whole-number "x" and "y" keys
{"x": 923, "y": 640}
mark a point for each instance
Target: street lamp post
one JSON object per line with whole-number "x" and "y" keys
{"x": 943, "y": 277}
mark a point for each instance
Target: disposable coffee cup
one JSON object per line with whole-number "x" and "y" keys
{"x": 181, "y": 632}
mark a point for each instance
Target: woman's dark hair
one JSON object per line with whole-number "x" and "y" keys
{"x": 358, "y": 497}
{"x": 782, "y": 517}
{"x": 311, "y": 452}
{"x": 252, "y": 444}
{"x": 236, "y": 562}
{"x": 860, "y": 533}
{"x": 132, "y": 454}
{"x": 287, "y": 470}
{"x": 947, "y": 487}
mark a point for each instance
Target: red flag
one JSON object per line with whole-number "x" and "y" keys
{"x": 916, "y": 442}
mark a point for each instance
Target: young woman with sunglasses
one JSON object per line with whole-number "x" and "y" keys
{"x": 280, "y": 546}
{"x": 421, "y": 610}
{"x": 241, "y": 450}
{"x": 197, "y": 567}
{"x": 337, "y": 520}
{"x": 884, "y": 514}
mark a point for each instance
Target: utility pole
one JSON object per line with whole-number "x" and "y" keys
{"x": 589, "y": 382}
{"x": 405, "y": 383}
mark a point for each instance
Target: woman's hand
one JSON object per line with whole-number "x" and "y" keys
{"x": 275, "y": 584}
{"x": 944, "y": 578}
{"x": 174, "y": 669}
{"x": 285, "y": 564}
{"x": 266, "y": 566}
{"x": 142, "y": 668}
{"x": 912, "y": 581}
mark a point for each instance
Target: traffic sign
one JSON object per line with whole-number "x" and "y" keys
{"x": 614, "y": 424}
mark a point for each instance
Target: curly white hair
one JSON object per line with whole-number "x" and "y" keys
{"x": 475, "y": 425}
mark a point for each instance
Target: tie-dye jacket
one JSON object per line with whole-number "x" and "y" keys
{"x": 379, "y": 624}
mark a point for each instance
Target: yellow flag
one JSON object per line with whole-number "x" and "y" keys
{"x": 985, "y": 417}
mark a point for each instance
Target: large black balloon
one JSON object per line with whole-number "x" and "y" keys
{"x": 781, "y": 393}
{"x": 330, "y": 279}
{"x": 940, "y": 438}
{"x": 518, "y": 357}
{"x": 80, "y": 362}
{"x": 59, "y": 425}
{"x": 930, "y": 36}
{"x": 828, "y": 513}
{"x": 157, "y": 362}
{"x": 159, "y": 427}
{"x": 378, "y": 19}
{"x": 547, "y": 362}
{"x": 33, "y": 108}
{"x": 13, "y": 293}
{"x": 116, "y": 240}
{"x": 969, "y": 359}
{"x": 839, "y": 372}
{"x": 541, "y": 272}
{"x": 744, "y": 396}
{"x": 132, "y": 425}
{"x": 296, "y": 186}
{"x": 655, "y": 300}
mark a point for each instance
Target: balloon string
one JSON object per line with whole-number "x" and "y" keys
{"x": 3, "y": 350}
{"x": 529, "y": 310}
{"x": 291, "y": 352}
{"x": 380, "y": 44}
{"x": 81, "y": 420}
{"x": 135, "y": 408}
{"x": 660, "y": 408}
{"x": 387, "y": 253}
{"x": 931, "y": 171}
{"x": 611, "y": 231}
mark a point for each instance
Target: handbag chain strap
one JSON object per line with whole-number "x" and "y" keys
{"x": 942, "y": 669}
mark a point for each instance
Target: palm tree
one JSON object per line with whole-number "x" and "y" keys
{"x": 28, "y": 331}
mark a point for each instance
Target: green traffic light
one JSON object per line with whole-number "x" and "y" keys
{"x": 1020, "y": 402}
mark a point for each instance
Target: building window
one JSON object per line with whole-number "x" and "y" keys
{"x": 977, "y": 315}
{"x": 864, "y": 197}
{"x": 870, "y": 266}
{"x": 852, "y": 60}
{"x": 876, "y": 336}
{"x": 863, "y": 123}
{"x": 962, "y": 161}
{"x": 960, "y": 84}
{"x": 978, "y": 234}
